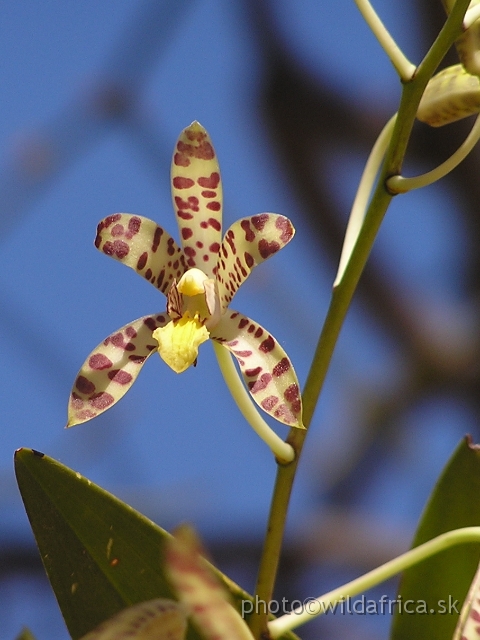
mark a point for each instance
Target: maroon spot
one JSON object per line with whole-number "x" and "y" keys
{"x": 253, "y": 372}
{"x": 185, "y": 215}
{"x": 230, "y": 238}
{"x": 99, "y": 361}
{"x": 199, "y": 244}
{"x": 211, "y": 182}
{"x": 142, "y": 261}
{"x": 241, "y": 267}
{"x": 156, "y": 238}
{"x": 137, "y": 359}
{"x": 160, "y": 318}
{"x": 202, "y": 151}
{"x": 249, "y": 261}
{"x": 285, "y": 227}
{"x": 102, "y": 400}
{"x": 267, "y": 249}
{"x": 267, "y": 345}
{"x": 232, "y": 343}
{"x": 148, "y": 274}
{"x": 76, "y": 402}
{"x": 86, "y": 414}
{"x": 206, "y": 258}
{"x": 160, "y": 278}
{"x": 130, "y": 332}
{"x": 150, "y": 323}
{"x": 269, "y": 403}
{"x": 214, "y": 206}
{"x": 84, "y": 386}
{"x": 251, "y": 328}
{"x": 190, "y": 252}
{"x": 260, "y": 221}
{"x": 117, "y": 230}
{"x": 190, "y": 203}
{"x": 117, "y": 340}
{"x": 186, "y": 233}
{"x": 243, "y": 323}
{"x": 215, "y": 224}
{"x": 170, "y": 246}
{"x": 475, "y": 615}
{"x": 118, "y": 248}
{"x": 249, "y": 233}
{"x": 291, "y": 393}
{"x": 214, "y": 247}
{"x": 183, "y": 183}
{"x": 209, "y": 194}
{"x": 111, "y": 219}
{"x": 120, "y": 376}
{"x": 243, "y": 354}
{"x": 134, "y": 225}
{"x": 284, "y": 413}
{"x": 98, "y": 238}
{"x": 260, "y": 384}
{"x": 282, "y": 367}
{"x": 181, "y": 160}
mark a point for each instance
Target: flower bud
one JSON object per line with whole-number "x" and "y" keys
{"x": 452, "y": 94}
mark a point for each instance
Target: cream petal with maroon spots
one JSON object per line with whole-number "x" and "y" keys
{"x": 204, "y": 597}
{"x": 111, "y": 369}
{"x": 266, "y": 368}
{"x": 197, "y": 197}
{"x": 249, "y": 242}
{"x": 142, "y": 245}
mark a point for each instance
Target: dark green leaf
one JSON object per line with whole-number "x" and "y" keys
{"x": 446, "y": 577}
{"x": 100, "y": 554}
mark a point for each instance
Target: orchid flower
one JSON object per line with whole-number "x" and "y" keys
{"x": 199, "y": 280}
{"x": 202, "y": 598}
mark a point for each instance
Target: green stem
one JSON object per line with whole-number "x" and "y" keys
{"x": 327, "y": 602}
{"x": 339, "y": 304}
{"x": 364, "y": 191}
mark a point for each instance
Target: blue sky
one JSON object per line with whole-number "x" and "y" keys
{"x": 176, "y": 447}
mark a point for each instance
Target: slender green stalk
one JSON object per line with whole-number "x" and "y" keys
{"x": 364, "y": 191}
{"x": 399, "y": 184}
{"x": 339, "y": 305}
{"x": 326, "y": 602}
{"x": 403, "y": 66}
{"x": 282, "y": 450}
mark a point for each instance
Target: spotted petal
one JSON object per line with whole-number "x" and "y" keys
{"x": 197, "y": 197}
{"x": 249, "y": 242}
{"x": 112, "y": 368}
{"x": 265, "y": 367}
{"x": 142, "y": 245}
{"x": 200, "y": 591}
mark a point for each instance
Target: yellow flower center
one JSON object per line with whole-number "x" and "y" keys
{"x": 178, "y": 341}
{"x": 191, "y": 305}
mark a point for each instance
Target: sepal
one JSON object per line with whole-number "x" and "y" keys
{"x": 112, "y": 368}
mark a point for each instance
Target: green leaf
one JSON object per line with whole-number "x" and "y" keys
{"x": 446, "y": 577}
{"x": 99, "y": 553}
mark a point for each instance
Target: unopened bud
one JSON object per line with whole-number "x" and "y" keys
{"x": 450, "y": 95}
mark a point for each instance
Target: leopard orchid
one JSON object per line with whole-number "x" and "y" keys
{"x": 199, "y": 280}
